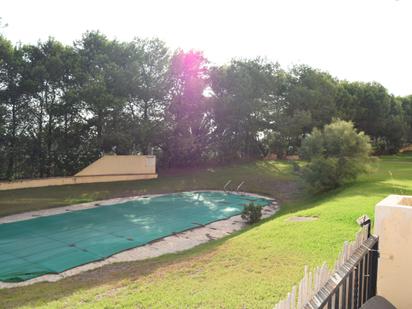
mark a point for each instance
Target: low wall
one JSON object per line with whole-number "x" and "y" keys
{"x": 109, "y": 168}
{"x": 61, "y": 181}
{"x": 393, "y": 225}
{"x": 120, "y": 165}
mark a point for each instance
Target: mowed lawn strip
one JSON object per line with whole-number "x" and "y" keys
{"x": 250, "y": 269}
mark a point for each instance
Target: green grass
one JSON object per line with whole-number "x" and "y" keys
{"x": 253, "y": 268}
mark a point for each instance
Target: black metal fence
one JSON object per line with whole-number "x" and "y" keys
{"x": 354, "y": 283}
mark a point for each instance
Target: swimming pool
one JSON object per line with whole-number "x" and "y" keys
{"x": 53, "y": 244}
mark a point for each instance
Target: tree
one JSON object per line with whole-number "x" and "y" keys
{"x": 188, "y": 113}
{"x": 13, "y": 107}
{"x": 336, "y": 155}
{"x": 287, "y": 132}
{"x": 72, "y": 138}
{"x": 149, "y": 86}
{"x": 375, "y": 112}
{"x": 406, "y": 103}
{"x": 62, "y": 106}
{"x": 103, "y": 86}
{"x": 314, "y": 92}
{"x": 46, "y": 76}
{"x": 246, "y": 101}
{"x": 307, "y": 100}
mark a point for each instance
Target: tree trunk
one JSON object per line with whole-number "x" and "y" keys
{"x": 12, "y": 144}
{"x": 49, "y": 145}
{"x": 99, "y": 127}
{"x": 40, "y": 141}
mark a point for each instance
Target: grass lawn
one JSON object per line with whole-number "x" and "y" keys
{"x": 251, "y": 269}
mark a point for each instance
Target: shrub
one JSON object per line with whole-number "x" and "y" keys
{"x": 295, "y": 167}
{"x": 252, "y": 213}
{"x": 337, "y": 155}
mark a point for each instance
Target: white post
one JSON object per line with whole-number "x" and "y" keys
{"x": 393, "y": 225}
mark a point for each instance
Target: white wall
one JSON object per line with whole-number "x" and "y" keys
{"x": 393, "y": 225}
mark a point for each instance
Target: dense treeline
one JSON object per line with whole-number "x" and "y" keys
{"x": 62, "y": 106}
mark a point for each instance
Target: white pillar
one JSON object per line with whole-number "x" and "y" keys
{"x": 393, "y": 225}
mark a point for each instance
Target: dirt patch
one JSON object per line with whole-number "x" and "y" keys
{"x": 302, "y": 219}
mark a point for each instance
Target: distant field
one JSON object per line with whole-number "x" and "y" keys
{"x": 251, "y": 269}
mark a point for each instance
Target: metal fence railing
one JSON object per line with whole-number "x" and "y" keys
{"x": 347, "y": 286}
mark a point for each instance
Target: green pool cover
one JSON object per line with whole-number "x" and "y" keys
{"x": 49, "y": 245}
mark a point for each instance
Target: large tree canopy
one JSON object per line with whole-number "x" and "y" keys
{"x": 187, "y": 115}
{"x": 247, "y": 96}
{"x": 375, "y": 112}
{"x": 62, "y": 106}
{"x": 148, "y": 82}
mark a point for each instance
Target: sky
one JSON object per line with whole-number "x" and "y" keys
{"x": 357, "y": 40}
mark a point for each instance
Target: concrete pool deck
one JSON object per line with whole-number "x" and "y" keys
{"x": 170, "y": 244}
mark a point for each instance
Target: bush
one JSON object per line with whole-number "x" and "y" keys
{"x": 252, "y": 213}
{"x": 296, "y": 167}
{"x": 337, "y": 155}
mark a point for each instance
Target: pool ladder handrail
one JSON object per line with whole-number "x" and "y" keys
{"x": 225, "y": 186}
{"x": 238, "y": 187}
